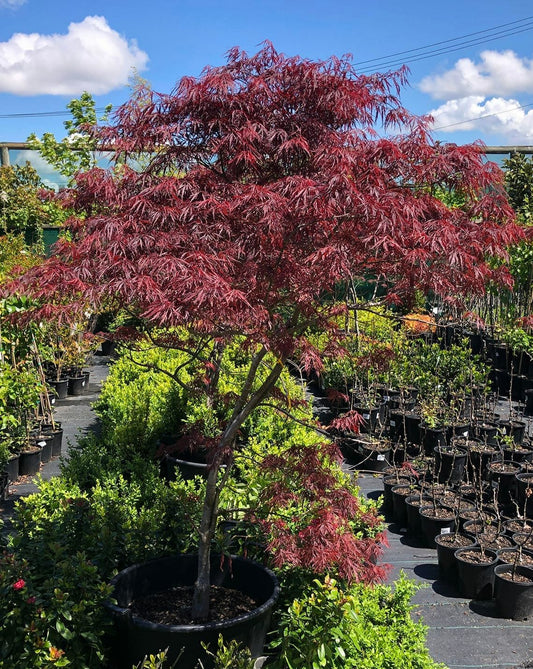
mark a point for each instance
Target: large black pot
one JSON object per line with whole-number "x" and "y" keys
{"x": 135, "y": 637}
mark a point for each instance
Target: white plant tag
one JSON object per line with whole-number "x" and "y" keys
{"x": 53, "y": 400}
{"x": 366, "y": 416}
{"x": 381, "y": 457}
{"x": 445, "y": 530}
{"x": 83, "y": 383}
{"x": 465, "y": 434}
{"x": 393, "y": 423}
{"x": 41, "y": 443}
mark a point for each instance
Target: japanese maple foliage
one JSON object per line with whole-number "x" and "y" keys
{"x": 269, "y": 180}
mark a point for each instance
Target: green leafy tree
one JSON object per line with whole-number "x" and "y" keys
{"x": 77, "y": 151}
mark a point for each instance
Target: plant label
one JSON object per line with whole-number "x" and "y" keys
{"x": 41, "y": 443}
{"x": 445, "y": 530}
{"x": 380, "y": 457}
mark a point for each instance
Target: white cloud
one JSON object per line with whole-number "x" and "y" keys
{"x": 498, "y": 73}
{"x": 11, "y": 4}
{"x": 501, "y": 117}
{"x": 90, "y": 57}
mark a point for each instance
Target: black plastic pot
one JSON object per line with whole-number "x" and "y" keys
{"x": 76, "y": 385}
{"x": 446, "y": 554}
{"x": 30, "y": 461}
{"x": 374, "y": 459}
{"x": 135, "y": 637}
{"x": 515, "y": 429}
{"x": 189, "y": 466}
{"x": 12, "y": 467}
{"x": 432, "y": 525}
{"x": 370, "y": 418}
{"x": 399, "y": 511}
{"x": 449, "y": 465}
{"x": 412, "y": 512}
{"x": 396, "y": 426}
{"x": 487, "y": 432}
{"x": 44, "y": 441}
{"x": 412, "y": 428}
{"x": 432, "y": 438}
{"x": 388, "y": 484}
{"x": 476, "y": 580}
{"x": 504, "y": 481}
{"x": 524, "y": 492}
{"x": 478, "y": 461}
{"x": 59, "y": 388}
{"x": 514, "y": 599}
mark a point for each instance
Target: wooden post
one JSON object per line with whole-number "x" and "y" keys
{"x": 4, "y": 155}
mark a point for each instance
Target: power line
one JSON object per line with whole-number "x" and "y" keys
{"x": 65, "y": 112}
{"x": 439, "y": 52}
{"x": 446, "y": 41}
{"x": 477, "y": 118}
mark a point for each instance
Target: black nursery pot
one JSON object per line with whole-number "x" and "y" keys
{"x": 432, "y": 438}
{"x": 59, "y": 388}
{"x": 432, "y": 525}
{"x": 449, "y": 465}
{"x": 446, "y": 554}
{"x": 136, "y": 638}
{"x": 514, "y": 599}
{"x": 76, "y": 385}
{"x": 189, "y": 466}
{"x": 476, "y": 579}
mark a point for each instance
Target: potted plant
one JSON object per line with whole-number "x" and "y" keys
{"x": 252, "y": 224}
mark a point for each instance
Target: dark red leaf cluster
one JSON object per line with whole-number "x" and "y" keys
{"x": 271, "y": 179}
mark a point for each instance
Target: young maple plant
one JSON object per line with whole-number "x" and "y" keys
{"x": 269, "y": 180}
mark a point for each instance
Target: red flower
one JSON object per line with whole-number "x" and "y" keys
{"x": 31, "y": 600}
{"x": 19, "y": 584}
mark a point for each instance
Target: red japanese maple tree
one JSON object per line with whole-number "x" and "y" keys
{"x": 269, "y": 180}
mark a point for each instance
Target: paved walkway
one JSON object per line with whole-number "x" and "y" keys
{"x": 77, "y": 418}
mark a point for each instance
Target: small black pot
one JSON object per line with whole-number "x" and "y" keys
{"x": 412, "y": 511}
{"x": 189, "y": 466}
{"x": 432, "y": 525}
{"x": 59, "y": 388}
{"x": 12, "y": 467}
{"x": 136, "y": 638}
{"x": 30, "y": 461}
{"x": 513, "y": 599}
{"x": 446, "y": 554}
{"x": 504, "y": 481}
{"x": 388, "y": 484}
{"x": 449, "y": 465}
{"x": 432, "y": 438}
{"x": 76, "y": 385}
{"x": 399, "y": 511}
{"x": 476, "y": 580}
{"x": 44, "y": 441}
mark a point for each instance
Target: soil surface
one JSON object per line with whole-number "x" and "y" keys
{"x": 173, "y": 607}
{"x": 475, "y": 557}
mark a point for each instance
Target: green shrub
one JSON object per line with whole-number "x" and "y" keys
{"x": 359, "y": 626}
{"x": 117, "y": 523}
{"x": 54, "y": 618}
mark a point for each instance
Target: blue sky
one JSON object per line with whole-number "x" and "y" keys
{"x": 51, "y": 51}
